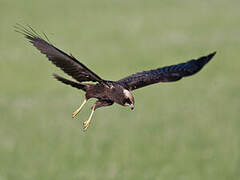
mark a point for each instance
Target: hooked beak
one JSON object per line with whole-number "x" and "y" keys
{"x": 131, "y": 106}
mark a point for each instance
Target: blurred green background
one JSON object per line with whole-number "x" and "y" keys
{"x": 187, "y": 130}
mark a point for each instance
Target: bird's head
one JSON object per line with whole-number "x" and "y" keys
{"x": 128, "y": 99}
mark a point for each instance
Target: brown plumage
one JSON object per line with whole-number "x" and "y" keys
{"x": 107, "y": 92}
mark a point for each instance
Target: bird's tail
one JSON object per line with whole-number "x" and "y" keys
{"x": 69, "y": 82}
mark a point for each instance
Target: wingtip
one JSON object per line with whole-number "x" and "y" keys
{"x": 209, "y": 57}
{"x": 212, "y": 54}
{"x": 55, "y": 75}
{"x": 205, "y": 59}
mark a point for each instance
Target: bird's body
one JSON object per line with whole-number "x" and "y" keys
{"x": 108, "y": 92}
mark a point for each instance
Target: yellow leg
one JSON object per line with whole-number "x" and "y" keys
{"x": 86, "y": 123}
{"x": 79, "y": 109}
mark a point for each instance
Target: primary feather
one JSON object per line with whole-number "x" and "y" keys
{"x": 165, "y": 74}
{"x": 65, "y": 62}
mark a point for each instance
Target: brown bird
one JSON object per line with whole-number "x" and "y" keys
{"x": 107, "y": 92}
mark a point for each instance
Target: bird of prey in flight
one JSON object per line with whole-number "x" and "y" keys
{"x": 105, "y": 91}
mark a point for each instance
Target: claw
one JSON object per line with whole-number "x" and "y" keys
{"x": 86, "y": 123}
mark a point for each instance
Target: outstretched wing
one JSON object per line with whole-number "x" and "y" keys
{"x": 165, "y": 74}
{"x": 65, "y": 62}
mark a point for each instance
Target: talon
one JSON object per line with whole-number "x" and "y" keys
{"x": 85, "y": 125}
{"x": 74, "y": 114}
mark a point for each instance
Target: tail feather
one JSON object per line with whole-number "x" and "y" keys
{"x": 69, "y": 82}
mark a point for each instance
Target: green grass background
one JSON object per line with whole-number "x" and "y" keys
{"x": 188, "y": 130}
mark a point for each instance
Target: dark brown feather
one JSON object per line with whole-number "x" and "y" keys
{"x": 69, "y": 82}
{"x": 165, "y": 74}
{"x": 65, "y": 62}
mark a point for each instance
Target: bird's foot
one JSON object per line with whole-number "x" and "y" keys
{"x": 86, "y": 124}
{"x": 79, "y": 109}
{"x": 75, "y": 113}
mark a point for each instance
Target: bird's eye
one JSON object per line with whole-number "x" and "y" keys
{"x": 127, "y": 100}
